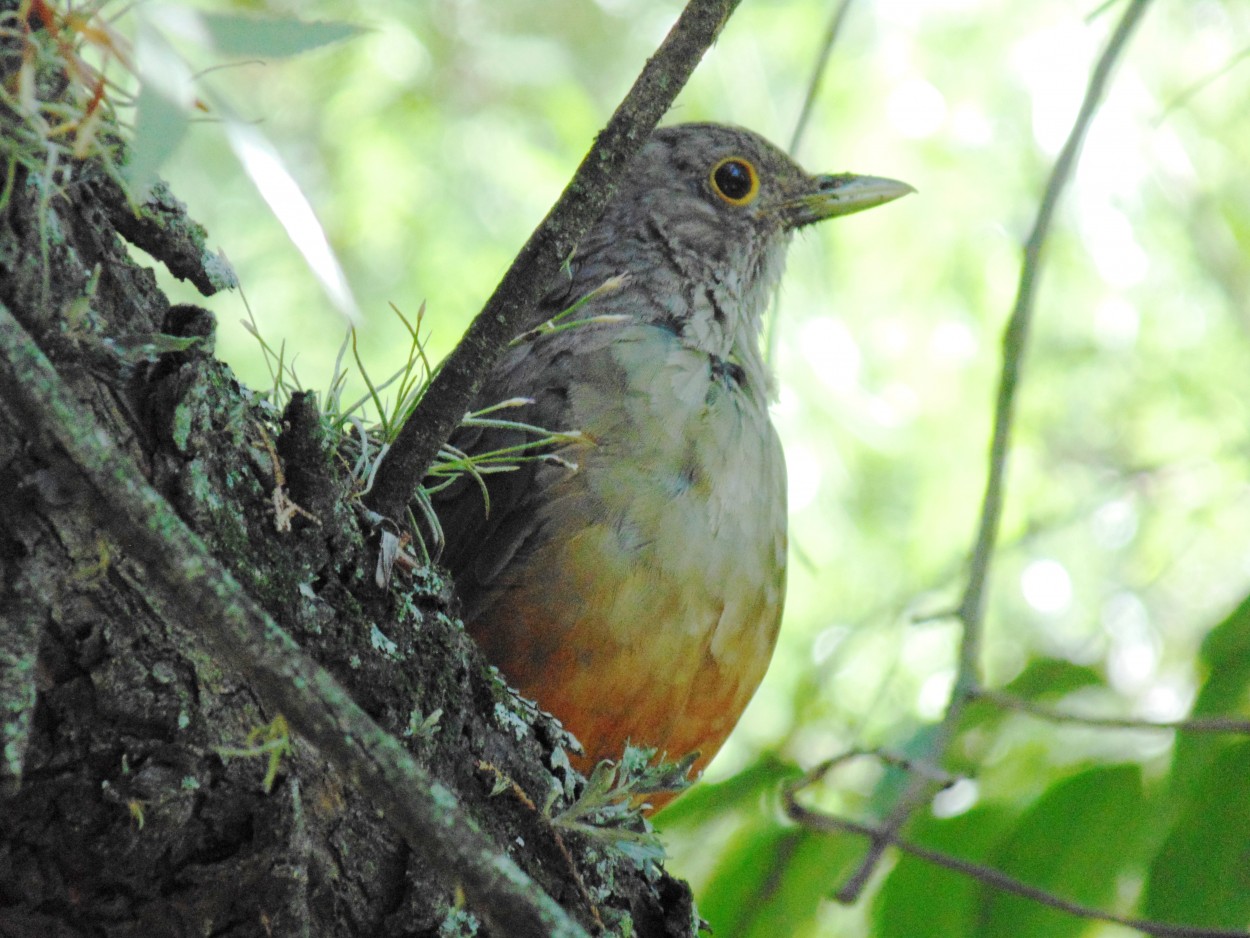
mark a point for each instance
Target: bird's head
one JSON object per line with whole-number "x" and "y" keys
{"x": 727, "y": 181}
{"x": 701, "y": 219}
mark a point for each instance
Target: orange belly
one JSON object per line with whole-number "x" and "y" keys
{"x": 627, "y": 652}
{"x": 637, "y": 596}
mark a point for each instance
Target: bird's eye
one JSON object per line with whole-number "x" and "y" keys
{"x": 735, "y": 181}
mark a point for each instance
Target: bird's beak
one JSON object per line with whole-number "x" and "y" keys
{"x": 843, "y": 194}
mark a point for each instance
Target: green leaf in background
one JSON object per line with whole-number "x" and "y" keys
{"x": 271, "y": 37}
{"x": 773, "y": 880}
{"x": 746, "y": 791}
{"x": 1045, "y": 679}
{"x": 1201, "y": 876}
{"x": 1073, "y": 841}
{"x": 1049, "y": 678}
{"x": 163, "y": 105}
{"x": 921, "y": 900}
{"x": 765, "y": 879}
{"x": 1225, "y": 657}
{"x": 895, "y": 779}
{"x": 160, "y": 125}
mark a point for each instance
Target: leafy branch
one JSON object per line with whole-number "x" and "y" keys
{"x": 884, "y": 836}
{"x": 970, "y": 610}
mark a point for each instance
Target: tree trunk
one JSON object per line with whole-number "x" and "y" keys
{"x": 133, "y": 793}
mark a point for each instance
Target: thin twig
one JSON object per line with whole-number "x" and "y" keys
{"x": 773, "y": 333}
{"x": 971, "y": 607}
{"x": 1229, "y": 725}
{"x": 884, "y": 836}
{"x": 450, "y": 393}
{"x": 1015, "y": 337}
{"x": 818, "y": 73}
{"x": 188, "y": 584}
{"x": 1187, "y": 94}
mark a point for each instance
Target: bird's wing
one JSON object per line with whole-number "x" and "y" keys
{"x": 481, "y": 540}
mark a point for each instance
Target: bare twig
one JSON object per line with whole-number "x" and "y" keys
{"x": 1228, "y": 725}
{"x": 1187, "y": 94}
{"x": 449, "y": 394}
{"x": 827, "y": 42}
{"x": 1015, "y": 336}
{"x": 818, "y": 72}
{"x": 884, "y": 836}
{"x": 190, "y": 585}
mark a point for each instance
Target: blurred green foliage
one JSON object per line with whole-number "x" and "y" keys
{"x": 433, "y": 142}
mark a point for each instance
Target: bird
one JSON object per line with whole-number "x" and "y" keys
{"x": 631, "y": 579}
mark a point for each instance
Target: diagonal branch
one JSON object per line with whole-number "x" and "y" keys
{"x": 971, "y": 608}
{"x": 880, "y": 834}
{"x": 448, "y": 397}
{"x": 192, "y": 586}
{"x": 1015, "y": 337}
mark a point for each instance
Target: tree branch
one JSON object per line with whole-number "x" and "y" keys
{"x": 448, "y": 397}
{"x": 1015, "y": 337}
{"x": 883, "y": 836}
{"x": 191, "y": 586}
{"x": 1232, "y": 726}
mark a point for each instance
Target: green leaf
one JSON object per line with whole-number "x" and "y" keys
{"x": 709, "y": 802}
{"x": 1225, "y": 657}
{"x": 768, "y": 880}
{"x": 922, "y": 900}
{"x": 1074, "y": 841}
{"x": 1048, "y": 678}
{"x": 896, "y": 779}
{"x": 1044, "y": 679}
{"x": 271, "y": 37}
{"x": 1201, "y": 876}
{"x": 160, "y": 125}
{"x": 773, "y": 880}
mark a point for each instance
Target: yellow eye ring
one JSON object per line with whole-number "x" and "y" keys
{"x": 735, "y": 180}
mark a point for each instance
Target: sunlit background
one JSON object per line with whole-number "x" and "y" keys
{"x": 431, "y": 144}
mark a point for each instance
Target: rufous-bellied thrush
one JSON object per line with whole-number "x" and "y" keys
{"x": 634, "y": 587}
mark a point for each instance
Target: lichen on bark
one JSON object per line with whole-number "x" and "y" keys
{"x": 125, "y": 807}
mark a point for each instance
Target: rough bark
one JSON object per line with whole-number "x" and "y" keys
{"x": 124, "y": 806}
